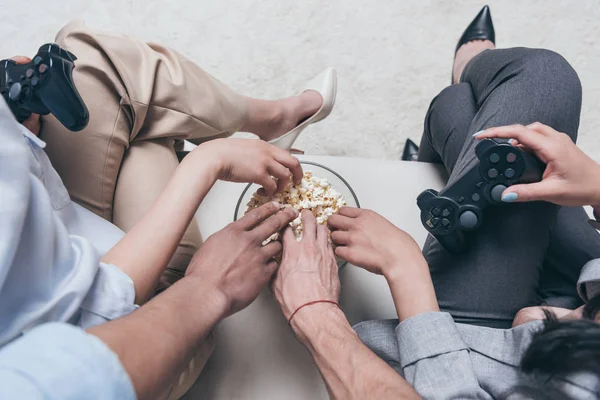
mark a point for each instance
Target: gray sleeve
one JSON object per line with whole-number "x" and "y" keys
{"x": 435, "y": 360}
{"x": 588, "y": 285}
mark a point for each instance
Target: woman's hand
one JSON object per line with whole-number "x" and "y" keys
{"x": 367, "y": 240}
{"x": 308, "y": 270}
{"x": 571, "y": 177}
{"x": 255, "y": 161}
{"x": 33, "y": 122}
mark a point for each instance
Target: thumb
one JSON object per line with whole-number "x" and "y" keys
{"x": 539, "y": 191}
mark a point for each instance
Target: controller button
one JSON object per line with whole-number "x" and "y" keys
{"x": 468, "y": 219}
{"x": 37, "y": 60}
{"x": 29, "y": 73}
{"x": 494, "y": 158}
{"x": 436, "y": 212}
{"x": 446, "y": 212}
{"x": 35, "y": 81}
{"x": 460, "y": 199}
{"x": 511, "y": 157}
{"x": 42, "y": 68}
{"x": 509, "y": 173}
{"x": 496, "y": 192}
{"x": 9, "y": 82}
{"x": 475, "y": 197}
{"x": 433, "y": 222}
{"x": 15, "y": 91}
{"x": 479, "y": 184}
{"x": 22, "y": 78}
{"x": 446, "y": 222}
{"x": 492, "y": 173}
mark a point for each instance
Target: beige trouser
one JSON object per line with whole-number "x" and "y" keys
{"x": 143, "y": 99}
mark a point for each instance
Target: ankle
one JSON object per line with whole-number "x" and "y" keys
{"x": 466, "y": 53}
{"x": 262, "y": 114}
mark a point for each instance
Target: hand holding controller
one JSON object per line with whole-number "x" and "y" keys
{"x": 44, "y": 85}
{"x": 459, "y": 208}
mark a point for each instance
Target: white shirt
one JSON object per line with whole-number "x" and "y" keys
{"x": 47, "y": 273}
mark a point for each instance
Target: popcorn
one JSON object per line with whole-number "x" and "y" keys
{"x": 312, "y": 193}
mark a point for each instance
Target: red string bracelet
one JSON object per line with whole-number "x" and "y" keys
{"x": 310, "y": 303}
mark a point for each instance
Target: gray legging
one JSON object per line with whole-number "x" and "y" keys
{"x": 524, "y": 254}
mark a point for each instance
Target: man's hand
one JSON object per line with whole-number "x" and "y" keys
{"x": 571, "y": 177}
{"x": 308, "y": 270}
{"x": 367, "y": 240}
{"x": 33, "y": 122}
{"x": 235, "y": 262}
{"x": 248, "y": 160}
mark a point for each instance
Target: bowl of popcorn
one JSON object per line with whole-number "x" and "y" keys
{"x": 322, "y": 191}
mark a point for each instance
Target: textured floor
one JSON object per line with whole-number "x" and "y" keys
{"x": 392, "y": 56}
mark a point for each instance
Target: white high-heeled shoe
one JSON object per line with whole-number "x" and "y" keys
{"x": 326, "y": 85}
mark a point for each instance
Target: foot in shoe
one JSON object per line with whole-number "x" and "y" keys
{"x": 272, "y": 119}
{"x": 465, "y": 53}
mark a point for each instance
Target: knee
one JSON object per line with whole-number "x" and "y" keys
{"x": 550, "y": 69}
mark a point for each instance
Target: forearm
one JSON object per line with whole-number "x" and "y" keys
{"x": 411, "y": 286}
{"x": 154, "y": 342}
{"x": 145, "y": 251}
{"x": 349, "y": 368}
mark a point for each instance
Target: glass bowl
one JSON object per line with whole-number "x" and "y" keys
{"x": 337, "y": 182}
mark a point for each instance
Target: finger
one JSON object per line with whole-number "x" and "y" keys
{"x": 343, "y": 252}
{"x": 351, "y": 212}
{"x": 21, "y": 59}
{"x": 291, "y": 163}
{"x": 288, "y": 237}
{"x": 340, "y": 222}
{"x": 540, "y": 191}
{"x": 528, "y": 137}
{"x": 309, "y": 225}
{"x": 272, "y": 249}
{"x": 269, "y": 186}
{"x": 283, "y": 175}
{"x": 270, "y": 270}
{"x": 543, "y": 129}
{"x": 322, "y": 235}
{"x": 258, "y": 215}
{"x": 275, "y": 223}
{"x": 340, "y": 238}
{"x": 33, "y": 123}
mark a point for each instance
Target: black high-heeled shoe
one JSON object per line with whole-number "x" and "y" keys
{"x": 481, "y": 28}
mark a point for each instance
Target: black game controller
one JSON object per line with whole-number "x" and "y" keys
{"x": 459, "y": 208}
{"x": 44, "y": 85}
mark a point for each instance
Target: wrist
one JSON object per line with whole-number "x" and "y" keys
{"x": 412, "y": 288}
{"x": 205, "y": 298}
{"x": 405, "y": 267}
{"x": 209, "y": 156}
{"x": 311, "y": 321}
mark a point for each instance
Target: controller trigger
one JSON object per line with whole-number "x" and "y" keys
{"x": 71, "y": 55}
{"x": 44, "y": 85}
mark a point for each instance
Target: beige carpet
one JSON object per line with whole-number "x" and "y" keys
{"x": 392, "y": 56}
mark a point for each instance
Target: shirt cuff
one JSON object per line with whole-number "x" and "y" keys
{"x": 111, "y": 296}
{"x": 427, "y": 335}
{"x": 588, "y": 285}
{"x": 61, "y": 361}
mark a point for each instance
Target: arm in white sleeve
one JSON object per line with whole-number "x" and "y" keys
{"x": 60, "y": 361}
